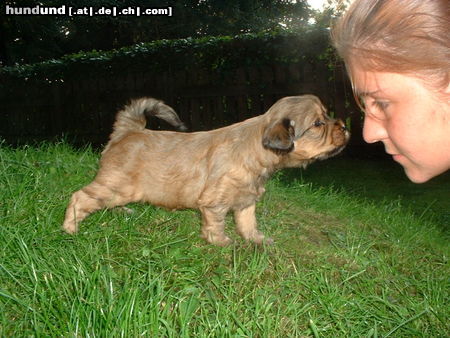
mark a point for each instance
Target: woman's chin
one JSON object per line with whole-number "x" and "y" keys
{"x": 417, "y": 176}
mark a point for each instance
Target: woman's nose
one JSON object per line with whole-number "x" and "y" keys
{"x": 373, "y": 130}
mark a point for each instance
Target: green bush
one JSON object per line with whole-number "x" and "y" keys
{"x": 209, "y": 53}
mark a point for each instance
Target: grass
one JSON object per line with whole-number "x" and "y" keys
{"x": 381, "y": 180}
{"x": 353, "y": 257}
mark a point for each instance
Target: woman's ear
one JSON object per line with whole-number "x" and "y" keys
{"x": 279, "y": 136}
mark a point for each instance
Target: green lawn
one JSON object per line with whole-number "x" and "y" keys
{"x": 379, "y": 181}
{"x": 359, "y": 252}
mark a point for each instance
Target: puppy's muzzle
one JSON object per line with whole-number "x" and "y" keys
{"x": 342, "y": 125}
{"x": 340, "y": 134}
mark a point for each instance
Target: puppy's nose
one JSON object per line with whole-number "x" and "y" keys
{"x": 341, "y": 124}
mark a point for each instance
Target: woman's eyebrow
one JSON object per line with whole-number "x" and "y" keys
{"x": 364, "y": 94}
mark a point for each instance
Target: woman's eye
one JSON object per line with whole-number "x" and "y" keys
{"x": 381, "y": 105}
{"x": 368, "y": 103}
{"x": 376, "y": 108}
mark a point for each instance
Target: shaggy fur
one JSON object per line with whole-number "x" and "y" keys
{"x": 214, "y": 171}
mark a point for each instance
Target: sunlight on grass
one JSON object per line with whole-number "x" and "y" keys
{"x": 342, "y": 265}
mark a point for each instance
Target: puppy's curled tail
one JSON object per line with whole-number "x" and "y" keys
{"x": 133, "y": 116}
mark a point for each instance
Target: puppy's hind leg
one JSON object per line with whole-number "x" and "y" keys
{"x": 91, "y": 198}
{"x": 246, "y": 226}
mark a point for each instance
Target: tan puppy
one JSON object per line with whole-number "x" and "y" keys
{"x": 214, "y": 171}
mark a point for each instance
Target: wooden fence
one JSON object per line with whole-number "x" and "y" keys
{"x": 84, "y": 110}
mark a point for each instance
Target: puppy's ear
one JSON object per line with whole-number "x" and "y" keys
{"x": 279, "y": 136}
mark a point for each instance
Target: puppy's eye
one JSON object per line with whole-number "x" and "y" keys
{"x": 318, "y": 123}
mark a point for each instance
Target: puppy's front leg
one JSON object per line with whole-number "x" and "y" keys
{"x": 213, "y": 228}
{"x": 246, "y": 226}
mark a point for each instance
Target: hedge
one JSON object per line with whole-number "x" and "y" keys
{"x": 209, "y": 53}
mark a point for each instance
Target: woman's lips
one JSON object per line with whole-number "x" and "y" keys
{"x": 397, "y": 157}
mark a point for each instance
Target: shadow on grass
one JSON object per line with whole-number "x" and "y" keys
{"x": 378, "y": 180}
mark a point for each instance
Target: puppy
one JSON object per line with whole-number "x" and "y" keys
{"x": 214, "y": 171}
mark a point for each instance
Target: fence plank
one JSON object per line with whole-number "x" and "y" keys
{"x": 204, "y": 99}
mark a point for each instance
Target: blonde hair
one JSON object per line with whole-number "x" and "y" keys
{"x": 398, "y": 36}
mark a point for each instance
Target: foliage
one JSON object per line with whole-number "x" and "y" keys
{"x": 208, "y": 53}
{"x": 30, "y": 39}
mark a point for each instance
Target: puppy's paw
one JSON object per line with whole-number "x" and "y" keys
{"x": 262, "y": 240}
{"x": 217, "y": 239}
{"x": 125, "y": 210}
{"x": 223, "y": 242}
{"x": 70, "y": 227}
{"x": 257, "y": 237}
{"x": 268, "y": 241}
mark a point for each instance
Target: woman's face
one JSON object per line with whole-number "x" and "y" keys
{"x": 411, "y": 120}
